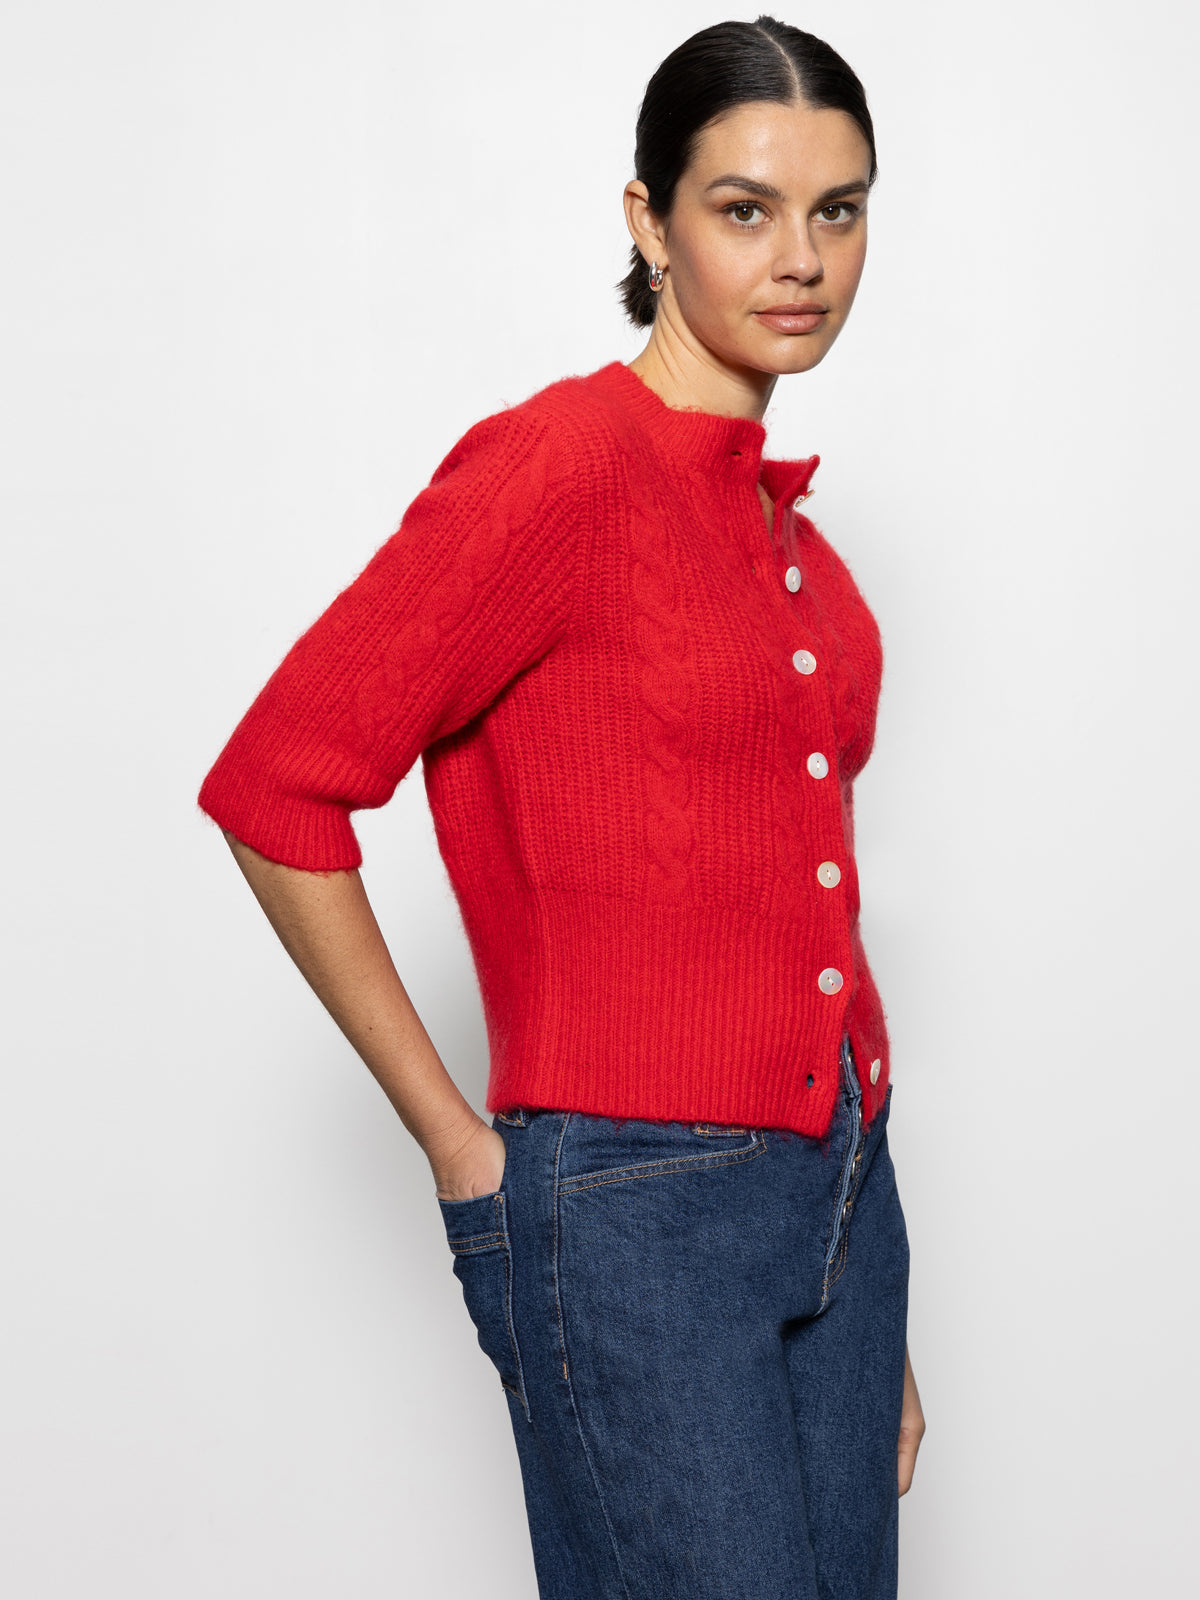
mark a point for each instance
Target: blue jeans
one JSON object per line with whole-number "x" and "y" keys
{"x": 700, "y": 1332}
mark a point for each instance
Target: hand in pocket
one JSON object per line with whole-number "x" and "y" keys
{"x": 476, "y": 1168}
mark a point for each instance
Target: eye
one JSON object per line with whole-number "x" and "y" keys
{"x": 840, "y": 205}
{"x": 740, "y": 206}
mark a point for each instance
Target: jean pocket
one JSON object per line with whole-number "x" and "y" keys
{"x": 477, "y": 1233}
{"x": 598, "y": 1150}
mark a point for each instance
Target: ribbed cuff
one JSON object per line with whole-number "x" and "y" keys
{"x": 315, "y": 836}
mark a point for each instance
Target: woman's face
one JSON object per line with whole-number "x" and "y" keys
{"x": 769, "y": 215}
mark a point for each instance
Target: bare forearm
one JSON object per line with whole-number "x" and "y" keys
{"x": 912, "y": 1426}
{"x": 326, "y": 924}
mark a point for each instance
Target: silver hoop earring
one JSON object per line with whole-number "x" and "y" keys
{"x": 656, "y": 275}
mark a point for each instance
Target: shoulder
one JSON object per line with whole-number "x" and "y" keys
{"x": 589, "y": 407}
{"x": 570, "y": 428}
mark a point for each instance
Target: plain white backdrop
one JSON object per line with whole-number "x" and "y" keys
{"x": 264, "y": 264}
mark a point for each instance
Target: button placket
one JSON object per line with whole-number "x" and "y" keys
{"x": 830, "y": 980}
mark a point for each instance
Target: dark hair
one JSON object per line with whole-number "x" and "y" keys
{"x": 716, "y": 69}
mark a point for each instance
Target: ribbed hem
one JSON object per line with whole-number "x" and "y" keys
{"x": 632, "y": 1009}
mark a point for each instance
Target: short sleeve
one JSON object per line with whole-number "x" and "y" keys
{"x": 475, "y": 586}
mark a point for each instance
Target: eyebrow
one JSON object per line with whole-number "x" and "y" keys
{"x": 735, "y": 180}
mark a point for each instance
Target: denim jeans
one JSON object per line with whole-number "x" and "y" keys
{"x": 700, "y": 1334}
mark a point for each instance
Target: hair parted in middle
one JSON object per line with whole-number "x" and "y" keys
{"x": 727, "y": 65}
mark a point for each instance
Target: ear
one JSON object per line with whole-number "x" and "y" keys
{"x": 645, "y": 229}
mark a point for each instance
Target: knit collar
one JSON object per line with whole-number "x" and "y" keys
{"x": 731, "y": 447}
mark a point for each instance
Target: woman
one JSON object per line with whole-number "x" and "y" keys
{"x": 641, "y": 684}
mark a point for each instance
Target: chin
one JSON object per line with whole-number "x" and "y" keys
{"x": 806, "y": 360}
{"x": 782, "y": 354}
{"x": 785, "y": 363}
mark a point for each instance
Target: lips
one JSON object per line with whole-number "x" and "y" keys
{"x": 806, "y": 317}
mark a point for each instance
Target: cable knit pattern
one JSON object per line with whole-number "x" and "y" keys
{"x": 668, "y": 693}
{"x": 638, "y": 738}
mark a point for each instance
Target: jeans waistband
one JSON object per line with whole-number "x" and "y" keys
{"x": 850, "y": 1084}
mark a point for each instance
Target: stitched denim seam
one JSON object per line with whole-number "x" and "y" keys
{"x": 847, "y": 1158}
{"x": 669, "y": 1164}
{"x": 660, "y": 1169}
{"x": 837, "y": 1259}
{"x": 835, "y": 1269}
{"x": 476, "y": 1245}
{"x": 474, "y": 1238}
{"x": 837, "y": 1266}
{"x": 853, "y": 1135}
{"x": 562, "y": 1344}
{"x": 508, "y": 1311}
{"x": 856, "y": 1184}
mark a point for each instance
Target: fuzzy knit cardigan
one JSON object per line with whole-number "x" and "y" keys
{"x": 640, "y": 714}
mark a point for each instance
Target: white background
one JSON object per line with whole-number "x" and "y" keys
{"x": 264, "y": 263}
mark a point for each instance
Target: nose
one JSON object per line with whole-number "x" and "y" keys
{"x": 798, "y": 257}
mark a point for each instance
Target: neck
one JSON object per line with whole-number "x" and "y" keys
{"x": 689, "y": 377}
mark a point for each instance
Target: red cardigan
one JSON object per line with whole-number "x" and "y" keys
{"x": 639, "y": 715}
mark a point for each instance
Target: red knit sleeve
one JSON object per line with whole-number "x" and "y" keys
{"x": 475, "y": 586}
